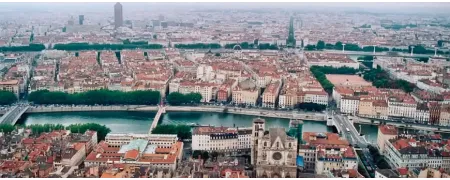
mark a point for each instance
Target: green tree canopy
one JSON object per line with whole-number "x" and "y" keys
{"x": 320, "y": 45}
{"x": 6, "y": 128}
{"x": 176, "y": 98}
{"x": 7, "y": 97}
{"x": 87, "y": 46}
{"x": 31, "y": 47}
{"x": 198, "y": 46}
{"x": 101, "y": 130}
{"x": 182, "y": 131}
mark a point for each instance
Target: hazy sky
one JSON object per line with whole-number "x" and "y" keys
{"x": 368, "y": 7}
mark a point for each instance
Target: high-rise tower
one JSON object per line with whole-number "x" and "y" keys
{"x": 290, "y": 42}
{"x": 80, "y": 19}
{"x": 118, "y": 15}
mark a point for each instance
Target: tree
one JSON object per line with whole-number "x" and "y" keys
{"x": 310, "y": 47}
{"x": 320, "y": 45}
{"x": 154, "y": 36}
{"x": 101, "y": 130}
{"x": 311, "y": 106}
{"x": 175, "y": 98}
{"x": 196, "y": 154}
{"x": 87, "y": 46}
{"x": 198, "y": 46}
{"x": 205, "y": 155}
{"x": 7, "y": 97}
{"x": 217, "y": 54}
{"x": 214, "y": 155}
{"x": 37, "y": 129}
{"x": 31, "y": 47}
{"x": 182, "y": 131}
{"x": 6, "y": 128}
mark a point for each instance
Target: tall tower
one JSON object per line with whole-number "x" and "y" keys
{"x": 257, "y": 133}
{"x": 80, "y": 19}
{"x": 290, "y": 42}
{"x": 118, "y": 15}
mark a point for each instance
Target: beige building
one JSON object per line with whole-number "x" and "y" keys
{"x": 365, "y": 108}
{"x": 11, "y": 86}
{"x": 270, "y": 95}
{"x": 385, "y": 132}
{"x": 273, "y": 154}
{"x": 380, "y": 109}
{"x": 444, "y": 118}
{"x": 246, "y": 92}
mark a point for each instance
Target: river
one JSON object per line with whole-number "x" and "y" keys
{"x": 139, "y": 122}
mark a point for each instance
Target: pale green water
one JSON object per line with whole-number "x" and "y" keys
{"x": 139, "y": 122}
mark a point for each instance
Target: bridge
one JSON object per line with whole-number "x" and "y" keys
{"x": 13, "y": 114}
{"x": 362, "y": 53}
{"x": 345, "y": 126}
{"x": 161, "y": 110}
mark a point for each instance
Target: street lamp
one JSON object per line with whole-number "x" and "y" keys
{"x": 374, "y": 47}
{"x": 343, "y": 48}
{"x": 412, "y": 50}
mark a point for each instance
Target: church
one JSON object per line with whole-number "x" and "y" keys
{"x": 273, "y": 153}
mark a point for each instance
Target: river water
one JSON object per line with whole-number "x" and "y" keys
{"x": 139, "y": 122}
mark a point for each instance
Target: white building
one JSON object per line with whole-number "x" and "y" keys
{"x": 402, "y": 107}
{"x": 402, "y": 152}
{"x": 318, "y": 97}
{"x": 385, "y": 132}
{"x": 349, "y": 105}
{"x": 222, "y": 139}
{"x": 205, "y": 73}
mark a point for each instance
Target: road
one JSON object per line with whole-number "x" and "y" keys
{"x": 352, "y": 135}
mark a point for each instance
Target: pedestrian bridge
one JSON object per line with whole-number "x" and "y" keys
{"x": 13, "y": 114}
{"x": 161, "y": 110}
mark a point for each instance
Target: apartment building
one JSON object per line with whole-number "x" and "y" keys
{"x": 385, "y": 133}
{"x": 270, "y": 94}
{"x": 324, "y": 152}
{"x": 402, "y": 107}
{"x": 417, "y": 151}
{"x": 222, "y": 139}
{"x": 11, "y": 86}
{"x": 246, "y": 93}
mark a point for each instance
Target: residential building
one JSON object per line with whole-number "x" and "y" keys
{"x": 323, "y": 152}
{"x": 385, "y": 133}
{"x": 270, "y": 94}
{"x": 246, "y": 93}
{"x": 11, "y": 86}
{"x": 222, "y": 139}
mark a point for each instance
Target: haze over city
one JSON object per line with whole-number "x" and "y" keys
{"x": 224, "y": 90}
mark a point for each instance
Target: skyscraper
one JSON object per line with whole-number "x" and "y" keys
{"x": 80, "y": 19}
{"x": 118, "y": 15}
{"x": 290, "y": 42}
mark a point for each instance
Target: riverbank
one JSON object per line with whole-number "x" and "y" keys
{"x": 361, "y": 120}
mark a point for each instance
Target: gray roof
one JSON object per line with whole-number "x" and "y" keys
{"x": 389, "y": 173}
{"x": 277, "y": 132}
